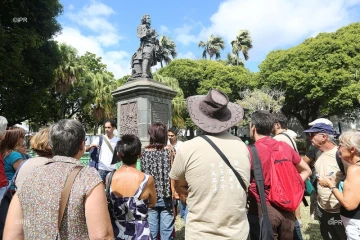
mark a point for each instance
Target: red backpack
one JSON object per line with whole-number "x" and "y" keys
{"x": 286, "y": 186}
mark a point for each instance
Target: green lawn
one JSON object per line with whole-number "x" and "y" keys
{"x": 310, "y": 229}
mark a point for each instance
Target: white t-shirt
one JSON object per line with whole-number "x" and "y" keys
{"x": 106, "y": 154}
{"x": 177, "y": 145}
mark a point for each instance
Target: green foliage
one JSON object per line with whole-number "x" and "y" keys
{"x": 199, "y": 76}
{"x": 123, "y": 80}
{"x": 318, "y": 74}
{"x": 212, "y": 47}
{"x": 28, "y": 56}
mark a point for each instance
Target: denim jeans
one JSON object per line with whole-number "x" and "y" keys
{"x": 297, "y": 231}
{"x": 103, "y": 174}
{"x": 183, "y": 211}
{"x": 162, "y": 217}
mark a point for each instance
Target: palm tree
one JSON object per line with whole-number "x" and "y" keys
{"x": 103, "y": 84}
{"x": 178, "y": 103}
{"x": 167, "y": 48}
{"x": 232, "y": 60}
{"x": 69, "y": 70}
{"x": 242, "y": 43}
{"x": 212, "y": 46}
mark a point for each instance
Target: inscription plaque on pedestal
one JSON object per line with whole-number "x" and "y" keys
{"x": 160, "y": 112}
{"x": 128, "y": 118}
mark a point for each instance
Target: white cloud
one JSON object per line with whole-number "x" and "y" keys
{"x": 164, "y": 30}
{"x": 118, "y": 62}
{"x": 278, "y": 23}
{"x": 103, "y": 34}
{"x": 188, "y": 55}
{"x": 94, "y": 17}
{"x": 183, "y": 34}
{"x": 71, "y": 7}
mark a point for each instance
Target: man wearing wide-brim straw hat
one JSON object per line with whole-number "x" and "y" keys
{"x": 216, "y": 195}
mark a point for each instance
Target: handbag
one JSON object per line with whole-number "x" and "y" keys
{"x": 266, "y": 230}
{"x": 95, "y": 154}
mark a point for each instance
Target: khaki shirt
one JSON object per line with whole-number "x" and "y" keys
{"x": 216, "y": 200}
{"x": 325, "y": 164}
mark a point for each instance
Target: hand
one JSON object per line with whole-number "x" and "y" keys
{"x": 326, "y": 181}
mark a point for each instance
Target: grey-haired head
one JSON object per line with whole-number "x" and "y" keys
{"x": 66, "y": 137}
{"x": 3, "y": 126}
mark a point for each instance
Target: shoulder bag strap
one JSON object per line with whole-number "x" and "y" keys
{"x": 109, "y": 182}
{"x": 12, "y": 181}
{"x": 238, "y": 176}
{"x": 259, "y": 178}
{"x": 66, "y": 193}
{"x": 108, "y": 144}
{"x": 291, "y": 140}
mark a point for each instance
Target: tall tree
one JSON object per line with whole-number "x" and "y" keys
{"x": 212, "y": 47}
{"x": 318, "y": 75}
{"x": 242, "y": 43}
{"x": 167, "y": 49}
{"x": 28, "y": 55}
{"x": 69, "y": 69}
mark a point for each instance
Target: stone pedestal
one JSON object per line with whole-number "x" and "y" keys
{"x": 139, "y": 104}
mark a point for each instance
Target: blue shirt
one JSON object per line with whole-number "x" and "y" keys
{"x": 8, "y": 164}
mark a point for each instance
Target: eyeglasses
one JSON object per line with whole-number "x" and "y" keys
{"x": 311, "y": 135}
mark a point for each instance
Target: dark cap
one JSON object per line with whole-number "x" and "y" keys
{"x": 321, "y": 128}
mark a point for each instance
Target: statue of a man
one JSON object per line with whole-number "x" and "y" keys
{"x": 145, "y": 56}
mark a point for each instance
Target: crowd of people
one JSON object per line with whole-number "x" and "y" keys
{"x": 222, "y": 187}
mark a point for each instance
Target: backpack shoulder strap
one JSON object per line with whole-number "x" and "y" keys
{"x": 237, "y": 174}
{"x": 100, "y": 141}
{"x": 259, "y": 178}
{"x": 107, "y": 191}
{"x": 65, "y": 194}
{"x": 291, "y": 140}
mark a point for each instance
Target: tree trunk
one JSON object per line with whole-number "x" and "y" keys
{"x": 161, "y": 64}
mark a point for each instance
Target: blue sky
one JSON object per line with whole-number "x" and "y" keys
{"x": 108, "y": 28}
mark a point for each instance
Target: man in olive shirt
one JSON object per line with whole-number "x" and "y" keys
{"x": 216, "y": 199}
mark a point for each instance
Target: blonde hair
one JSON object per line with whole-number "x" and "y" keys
{"x": 40, "y": 142}
{"x": 351, "y": 139}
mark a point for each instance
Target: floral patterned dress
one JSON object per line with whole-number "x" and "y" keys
{"x": 129, "y": 217}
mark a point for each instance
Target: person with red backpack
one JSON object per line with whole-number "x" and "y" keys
{"x": 284, "y": 173}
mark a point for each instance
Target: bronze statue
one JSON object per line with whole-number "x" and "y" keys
{"x": 146, "y": 55}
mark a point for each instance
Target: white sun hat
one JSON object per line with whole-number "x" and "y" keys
{"x": 321, "y": 120}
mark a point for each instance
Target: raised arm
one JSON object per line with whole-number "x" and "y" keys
{"x": 350, "y": 197}
{"x": 303, "y": 169}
